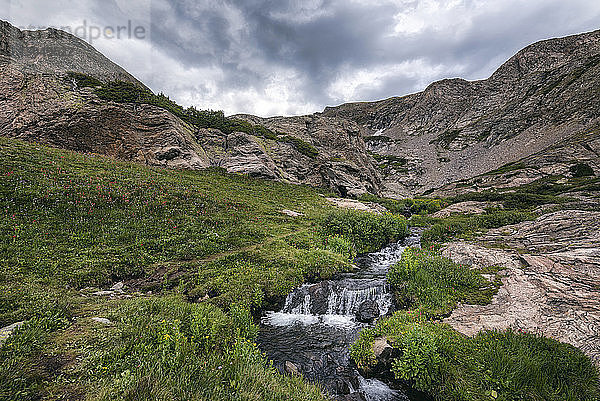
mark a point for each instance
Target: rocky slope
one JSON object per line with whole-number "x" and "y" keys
{"x": 551, "y": 283}
{"x": 455, "y": 129}
{"x": 39, "y": 102}
{"x": 52, "y": 51}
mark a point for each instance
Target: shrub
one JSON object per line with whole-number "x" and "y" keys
{"x": 367, "y": 231}
{"x": 581, "y": 170}
{"x": 124, "y": 92}
{"x": 340, "y": 245}
{"x": 521, "y": 199}
{"x": 264, "y": 132}
{"x": 426, "y": 280}
{"x": 494, "y": 365}
{"x": 83, "y": 80}
{"x": 451, "y": 227}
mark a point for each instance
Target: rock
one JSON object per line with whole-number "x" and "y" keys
{"x": 381, "y": 348}
{"x": 103, "y": 293}
{"x": 351, "y": 397}
{"x": 319, "y": 297}
{"x": 291, "y": 368}
{"x": 291, "y": 213}
{"x": 367, "y": 312}
{"x": 551, "y": 287}
{"x": 469, "y": 207}
{"x": 40, "y": 103}
{"x": 370, "y": 207}
{"x": 5, "y": 332}
{"x": 446, "y": 138}
{"x": 102, "y": 320}
{"x": 118, "y": 286}
{"x": 479, "y": 257}
{"x": 460, "y": 130}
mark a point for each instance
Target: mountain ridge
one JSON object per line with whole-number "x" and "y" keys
{"x": 453, "y": 131}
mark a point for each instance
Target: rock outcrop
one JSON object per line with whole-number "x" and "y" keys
{"x": 550, "y": 286}
{"x": 40, "y": 103}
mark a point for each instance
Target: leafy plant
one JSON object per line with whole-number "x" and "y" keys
{"x": 425, "y": 280}
{"x": 494, "y": 365}
{"x": 367, "y": 231}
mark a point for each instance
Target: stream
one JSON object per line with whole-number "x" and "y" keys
{"x": 313, "y": 331}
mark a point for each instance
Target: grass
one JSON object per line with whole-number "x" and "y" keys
{"x": 73, "y": 221}
{"x": 426, "y": 281}
{"x": 493, "y": 365}
{"x": 433, "y": 358}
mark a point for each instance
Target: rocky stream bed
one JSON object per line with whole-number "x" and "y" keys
{"x": 312, "y": 333}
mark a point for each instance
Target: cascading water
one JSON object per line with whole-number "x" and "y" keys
{"x": 313, "y": 331}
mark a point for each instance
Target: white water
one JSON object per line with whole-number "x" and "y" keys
{"x": 317, "y": 324}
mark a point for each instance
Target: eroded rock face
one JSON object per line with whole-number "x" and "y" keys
{"x": 551, "y": 287}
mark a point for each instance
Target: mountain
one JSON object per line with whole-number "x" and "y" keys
{"x": 42, "y": 102}
{"x": 434, "y": 141}
{"x": 457, "y": 129}
{"x": 53, "y": 51}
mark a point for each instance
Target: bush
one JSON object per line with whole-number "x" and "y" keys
{"x": 581, "y": 170}
{"x": 494, "y": 365}
{"x": 265, "y": 132}
{"x": 340, "y": 245}
{"x": 523, "y": 198}
{"x": 425, "y": 280}
{"x": 368, "y": 232}
{"x": 83, "y": 80}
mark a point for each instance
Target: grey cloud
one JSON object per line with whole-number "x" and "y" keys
{"x": 240, "y": 47}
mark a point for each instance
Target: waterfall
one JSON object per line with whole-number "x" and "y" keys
{"x": 318, "y": 322}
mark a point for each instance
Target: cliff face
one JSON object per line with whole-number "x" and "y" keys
{"x": 39, "y": 102}
{"x": 457, "y": 129}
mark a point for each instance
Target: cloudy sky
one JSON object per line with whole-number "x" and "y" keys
{"x": 287, "y": 57}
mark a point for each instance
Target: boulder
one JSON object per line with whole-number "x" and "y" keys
{"x": 5, "y": 332}
{"x": 368, "y": 311}
{"x": 291, "y": 368}
{"x": 102, "y": 320}
{"x": 381, "y": 348}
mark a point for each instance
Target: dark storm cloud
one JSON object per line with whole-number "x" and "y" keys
{"x": 291, "y": 57}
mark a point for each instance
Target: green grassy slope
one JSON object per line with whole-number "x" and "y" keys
{"x": 200, "y": 252}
